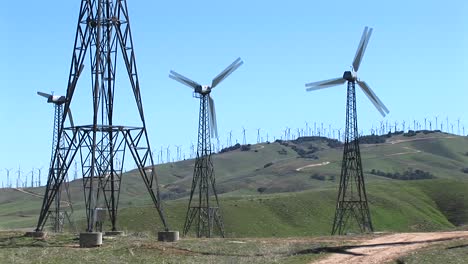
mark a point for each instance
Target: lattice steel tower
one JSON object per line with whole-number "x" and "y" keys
{"x": 203, "y": 209}
{"x": 62, "y": 209}
{"x": 104, "y": 32}
{"x": 352, "y": 198}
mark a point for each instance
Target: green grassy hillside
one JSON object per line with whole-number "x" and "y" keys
{"x": 299, "y": 182}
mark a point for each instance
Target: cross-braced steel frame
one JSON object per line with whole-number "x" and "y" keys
{"x": 103, "y": 30}
{"x": 352, "y": 210}
{"x": 203, "y": 211}
{"x": 59, "y": 213}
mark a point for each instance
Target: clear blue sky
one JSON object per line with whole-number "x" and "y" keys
{"x": 416, "y": 62}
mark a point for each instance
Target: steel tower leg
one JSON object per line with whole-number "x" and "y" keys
{"x": 352, "y": 211}
{"x": 103, "y": 30}
{"x": 204, "y": 213}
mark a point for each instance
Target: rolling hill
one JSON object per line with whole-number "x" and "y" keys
{"x": 288, "y": 188}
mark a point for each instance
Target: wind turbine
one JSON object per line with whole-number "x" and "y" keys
{"x": 352, "y": 198}
{"x": 58, "y": 101}
{"x": 205, "y": 212}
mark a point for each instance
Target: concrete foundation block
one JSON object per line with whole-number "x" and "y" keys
{"x": 90, "y": 239}
{"x": 168, "y": 236}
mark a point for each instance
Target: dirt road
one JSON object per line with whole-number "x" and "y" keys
{"x": 28, "y": 192}
{"x": 386, "y": 248}
{"x": 313, "y": 165}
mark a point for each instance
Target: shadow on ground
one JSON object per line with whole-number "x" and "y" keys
{"x": 345, "y": 249}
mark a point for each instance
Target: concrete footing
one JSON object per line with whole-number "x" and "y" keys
{"x": 90, "y": 239}
{"x": 168, "y": 236}
{"x": 114, "y": 233}
{"x": 36, "y": 234}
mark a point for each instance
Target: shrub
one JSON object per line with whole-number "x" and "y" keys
{"x": 261, "y": 189}
{"x": 373, "y": 139}
{"x": 312, "y": 148}
{"x": 409, "y": 174}
{"x": 464, "y": 170}
{"x": 282, "y": 152}
{"x": 245, "y": 147}
{"x": 317, "y": 176}
{"x": 231, "y": 148}
{"x": 333, "y": 143}
{"x": 410, "y": 133}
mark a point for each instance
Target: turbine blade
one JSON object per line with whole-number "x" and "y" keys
{"x": 184, "y": 80}
{"x": 71, "y": 90}
{"x": 373, "y": 102}
{"x": 44, "y": 94}
{"x": 230, "y": 69}
{"x": 377, "y": 99}
{"x": 373, "y": 98}
{"x": 75, "y": 78}
{"x": 212, "y": 114}
{"x": 361, "y": 48}
{"x": 324, "y": 84}
{"x": 79, "y": 71}
{"x": 70, "y": 117}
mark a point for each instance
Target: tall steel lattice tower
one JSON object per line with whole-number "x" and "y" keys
{"x": 203, "y": 209}
{"x": 103, "y": 31}
{"x": 352, "y": 197}
{"x": 62, "y": 209}
{"x": 352, "y": 210}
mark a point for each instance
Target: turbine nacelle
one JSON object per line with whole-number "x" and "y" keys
{"x": 203, "y": 89}
{"x": 350, "y": 76}
{"x": 55, "y": 99}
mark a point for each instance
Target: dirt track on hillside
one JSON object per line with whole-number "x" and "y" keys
{"x": 386, "y": 248}
{"x": 28, "y": 192}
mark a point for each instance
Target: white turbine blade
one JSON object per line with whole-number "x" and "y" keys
{"x": 377, "y": 99}
{"x": 212, "y": 114}
{"x": 373, "y": 98}
{"x": 184, "y": 80}
{"x": 358, "y": 55}
{"x": 373, "y": 102}
{"x": 324, "y": 84}
{"x": 70, "y": 117}
{"x": 75, "y": 78}
{"x": 230, "y": 69}
{"x": 361, "y": 48}
{"x": 79, "y": 71}
{"x": 44, "y": 94}
{"x": 70, "y": 91}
